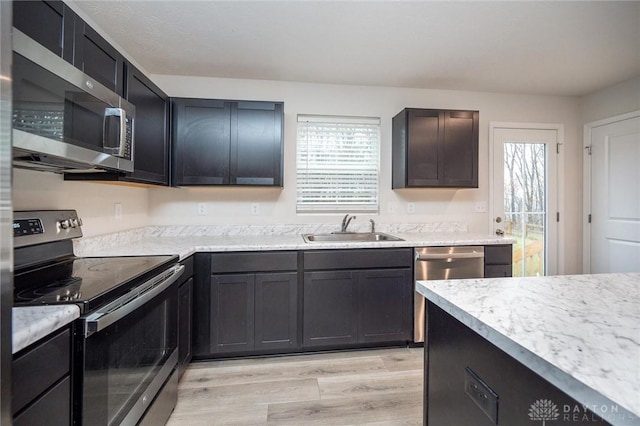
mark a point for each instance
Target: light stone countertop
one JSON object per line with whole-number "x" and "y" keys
{"x": 186, "y": 245}
{"x": 32, "y": 323}
{"x": 579, "y": 332}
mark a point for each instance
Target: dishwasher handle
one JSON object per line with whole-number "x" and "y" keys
{"x": 442, "y": 256}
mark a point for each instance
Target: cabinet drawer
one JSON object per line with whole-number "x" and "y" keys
{"x": 254, "y": 262}
{"x": 498, "y": 254}
{"x": 37, "y": 369}
{"x": 52, "y": 408}
{"x": 358, "y": 259}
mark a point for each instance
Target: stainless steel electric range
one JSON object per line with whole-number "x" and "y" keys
{"x": 125, "y": 342}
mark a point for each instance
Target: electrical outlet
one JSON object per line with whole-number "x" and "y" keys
{"x": 411, "y": 208}
{"x": 255, "y": 209}
{"x": 117, "y": 210}
{"x": 481, "y": 206}
{"x": 202, "y": 209}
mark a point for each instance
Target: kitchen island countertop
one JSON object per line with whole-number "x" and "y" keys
{"x": 581, "y": 333}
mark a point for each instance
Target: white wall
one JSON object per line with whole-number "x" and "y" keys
{"x": 232, "y": 205}
{"x": 94, "y": 202}
{"x": 615, "y": 100}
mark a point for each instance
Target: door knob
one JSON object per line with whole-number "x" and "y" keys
{"x": 498, "y": 219}
{"x": 499, "y": 232}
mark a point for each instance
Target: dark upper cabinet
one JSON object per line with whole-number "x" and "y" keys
{"x": 201, "y": 142}
{"x": 219, "y": 142}
{"x": 59, "y": 29}
{"x": 435, "y": 148}
{"x": 151, "y": 149}
{"x": 50, "y": 23}
{"x": 97, "y": 58}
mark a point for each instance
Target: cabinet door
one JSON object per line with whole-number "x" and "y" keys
{"x": 50, "y": 23}
{"x": 151, "y": 128}
{"x": 460, "y": 149}
{"x": 276, "y": 311}
{"x": 201, "y": 145}
{"x": 330, "y": 307}
{"x": 97, "y": 58}
{"x": 386, "y": 306}
{"x": 256, "y": 143}
{"x": 185, "y": 324}
{"x": 498, "y": 261}
{"x": 424, "y": 151}
{"x": 232, "y": 313}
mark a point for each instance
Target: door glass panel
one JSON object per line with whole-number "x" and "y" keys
{"x": 524, "y": 205}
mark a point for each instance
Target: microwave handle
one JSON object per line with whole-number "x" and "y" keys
{"x": 123, "y": 306}
{"x": 122, "y": 139}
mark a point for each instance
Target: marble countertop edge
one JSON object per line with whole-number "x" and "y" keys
{"x": 555, "y": 375}
{"x": 32, "y": 323}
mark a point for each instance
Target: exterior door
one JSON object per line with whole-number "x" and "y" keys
{"x": 612, "y": 194}
{"x": 524, "y": 196}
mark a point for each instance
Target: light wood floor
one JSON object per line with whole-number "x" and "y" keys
{"x": 373, "y": 387}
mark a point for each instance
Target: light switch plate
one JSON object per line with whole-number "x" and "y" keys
{"x": 481, "y": 206}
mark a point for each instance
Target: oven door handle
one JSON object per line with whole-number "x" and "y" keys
{"x": 131, "y": 301}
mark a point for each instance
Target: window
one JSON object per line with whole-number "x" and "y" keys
{"x": 338, "y": 164}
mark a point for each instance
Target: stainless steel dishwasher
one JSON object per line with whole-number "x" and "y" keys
{"x": 443, "y": 263}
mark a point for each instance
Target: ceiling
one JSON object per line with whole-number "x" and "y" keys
{"x": 546, "y": 48}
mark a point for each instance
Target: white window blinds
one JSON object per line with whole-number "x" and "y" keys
{"x": 338, "y": 163}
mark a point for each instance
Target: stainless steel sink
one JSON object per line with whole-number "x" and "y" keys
{"x": 349, "y": 237}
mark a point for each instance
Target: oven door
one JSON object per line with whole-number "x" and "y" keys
{"x": 129, "y": 350}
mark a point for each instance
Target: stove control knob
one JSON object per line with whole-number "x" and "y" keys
{"x": 64, "y": 224}
{"x": 74, "y": 223}
{"x": 79, "y": 222}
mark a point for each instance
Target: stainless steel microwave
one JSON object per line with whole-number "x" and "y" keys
{"x": 63, "y": 120}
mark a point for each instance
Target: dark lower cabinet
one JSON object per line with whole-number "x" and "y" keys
{"x": 351, "y": 307}
{"x": 330, "y": 308}
{"x": 276, "y": 311}
{"x": 245, "y": 303}
{"x": 498, "y": 261}
{"x": 41, "y": 382}
{"x": 232, "y": 304}
{"x": 386, "y": 299}
{"x": 253, "y": 312}
{"x": 469, "y": 381}
{"x": 357, "y": 297}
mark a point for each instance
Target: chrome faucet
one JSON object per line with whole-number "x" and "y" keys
{"x": 373, "y": 226}
{"x": 345, "y": 222}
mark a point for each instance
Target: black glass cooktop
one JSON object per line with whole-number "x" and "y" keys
{"x": 86, "y": 281}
